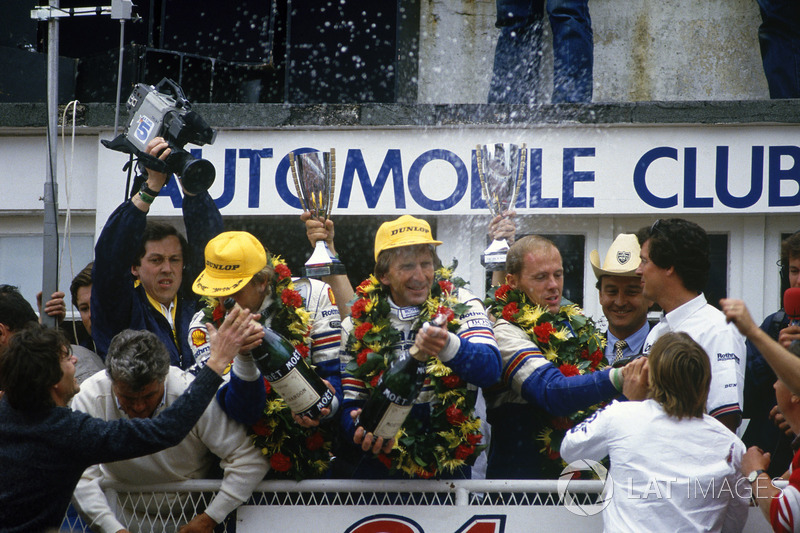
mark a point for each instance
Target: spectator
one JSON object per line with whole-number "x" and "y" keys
{"x": 15, "y": 313}
{"x": 778, "y": 506}
{"x": 139, "y": 383}
{"x": 673, "y": 467}
{"x": 532, "y": 389}
{"x": 674, "y": 269}
{"x": 759, "y": 395}
{"x": 238, "y": 266}
{"x": 81, "y": 292}
{"x": 391, "y": 306}
{"x": 779, "y": 37}
{"x": 517, "y": 57}
{"x": 621, "y": 298}
{"x": 45, "y": 446}
{"x": 138, "y": 267}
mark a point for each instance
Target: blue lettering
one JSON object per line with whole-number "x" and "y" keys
{"x": 640, "y": 175}
{"x": 414, "y": 177}
{"x": 777, "y": 175}
{"x": 372, "y": 193}
{"x": 229, "y": 182}
{"x": 536, "y": 181}
{"x": 254, "y": 189}
{"x": 756, "y": 179}
{"x": 571, "y": 176}
{"x": 690, "y": 181}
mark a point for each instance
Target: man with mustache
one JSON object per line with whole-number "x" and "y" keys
{"x": 139, "y": 265}
{"x": 621, "y": 298}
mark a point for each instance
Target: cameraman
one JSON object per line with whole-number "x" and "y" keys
{"x": 139, "y": 266}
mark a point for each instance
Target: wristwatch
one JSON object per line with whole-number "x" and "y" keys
{"x": 752, "y": 476}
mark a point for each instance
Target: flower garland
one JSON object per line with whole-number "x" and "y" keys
{"x": 568, "y": 339}
{"x": 452, "y": 436}
{"x": 295, "y": 452}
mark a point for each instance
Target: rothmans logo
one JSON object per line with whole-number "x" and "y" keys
{"x": 215, "y": 266}
{"x": 410, "y": 228}
{"x": 623, "y": 257}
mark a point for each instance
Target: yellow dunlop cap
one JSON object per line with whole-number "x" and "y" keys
{"x": 404, "y": 231}
{"x": 232, "y": 258}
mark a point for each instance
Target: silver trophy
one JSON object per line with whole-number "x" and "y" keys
{"x": 314, "y": 176}
{"x": 501, "y": 167}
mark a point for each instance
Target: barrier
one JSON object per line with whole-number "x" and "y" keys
{"x": 361, "y": 506}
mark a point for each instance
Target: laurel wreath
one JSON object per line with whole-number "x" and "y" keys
{"x": 568, "y": 339}
{"x": 452, "y": 436}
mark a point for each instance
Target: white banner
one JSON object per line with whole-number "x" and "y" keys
{"x": 571, "y": 170}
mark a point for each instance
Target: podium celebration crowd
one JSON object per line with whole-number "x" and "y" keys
{"x": 517, "y": 385}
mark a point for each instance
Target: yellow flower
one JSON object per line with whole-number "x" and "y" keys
{"x": 562, "y": 334}
{"x": 437, "y": 369}
{"x": 452, "y": 439}
{"x": 451, "y": 464}
{"x": 551, "y": 354}
{"x": 571, "y": 310}
{"x": 531, "y": 315}
{"x": 273, "y": 406}
{"x": 445, "y": 272}
{"x": 370, "y": 304}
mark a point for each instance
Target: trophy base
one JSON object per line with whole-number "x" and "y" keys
{"x": 323, "y": 269}
{"x": 494, "y": 262}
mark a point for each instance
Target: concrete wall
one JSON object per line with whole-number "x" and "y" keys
{"x": 644, "y": 50}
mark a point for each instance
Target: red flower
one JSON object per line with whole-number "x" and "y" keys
{"x": 553, "y": 455}
{"x": 562, "y": 422}
{"x": 362, "y": 330}
{"x": 501, "y": 292}
{"x": 315, "y": 441}
{"x": 447, "y": 312}
{"x": 218, "y": 314}
{"x": 446, "y": 286}
{"x": 463, "y": 451}
{"x": 267, "y": 386}
{"x": 384, "y": 459}
{"x": 374, "y": 380}
{"x": 455, "y": 416}
{"x": 358, "y": 308}
{"x": 280, "y": 462}
{"x": 474, "y": 438}
{"x": 597, "y": 357}
{"x": 302, "y": 349}
{"x": 569, "y": 370}
{"x": 261, "y": 428}
{"x": 283, "y": 271}
{"x": 425, "y": 474}
{"x": 361, "y": 358}
{"x": 452, "y": 381}
{"x": 510, "y": 310}
{"x": 584, "y": 354}
{"x": 291, "y": 298}
{"x": 361, "y": 289}
{"x": 543, "y": 332}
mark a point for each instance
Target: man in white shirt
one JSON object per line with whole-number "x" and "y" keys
{"x": 674, "y": 271}
{"x": 139, "y": 383}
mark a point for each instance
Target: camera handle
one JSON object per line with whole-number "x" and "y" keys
{"x": 177, "y": 93}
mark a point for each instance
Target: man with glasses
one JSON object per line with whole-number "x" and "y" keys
{"x": 674, "y": 269}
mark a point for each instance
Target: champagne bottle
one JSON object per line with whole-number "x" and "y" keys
{"x": 301, "y": 388}
{"x": 394, "y": 395}
{"x": 392, "y": 398}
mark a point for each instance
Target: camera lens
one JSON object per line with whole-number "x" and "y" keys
{"x": 197, "y": 175}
